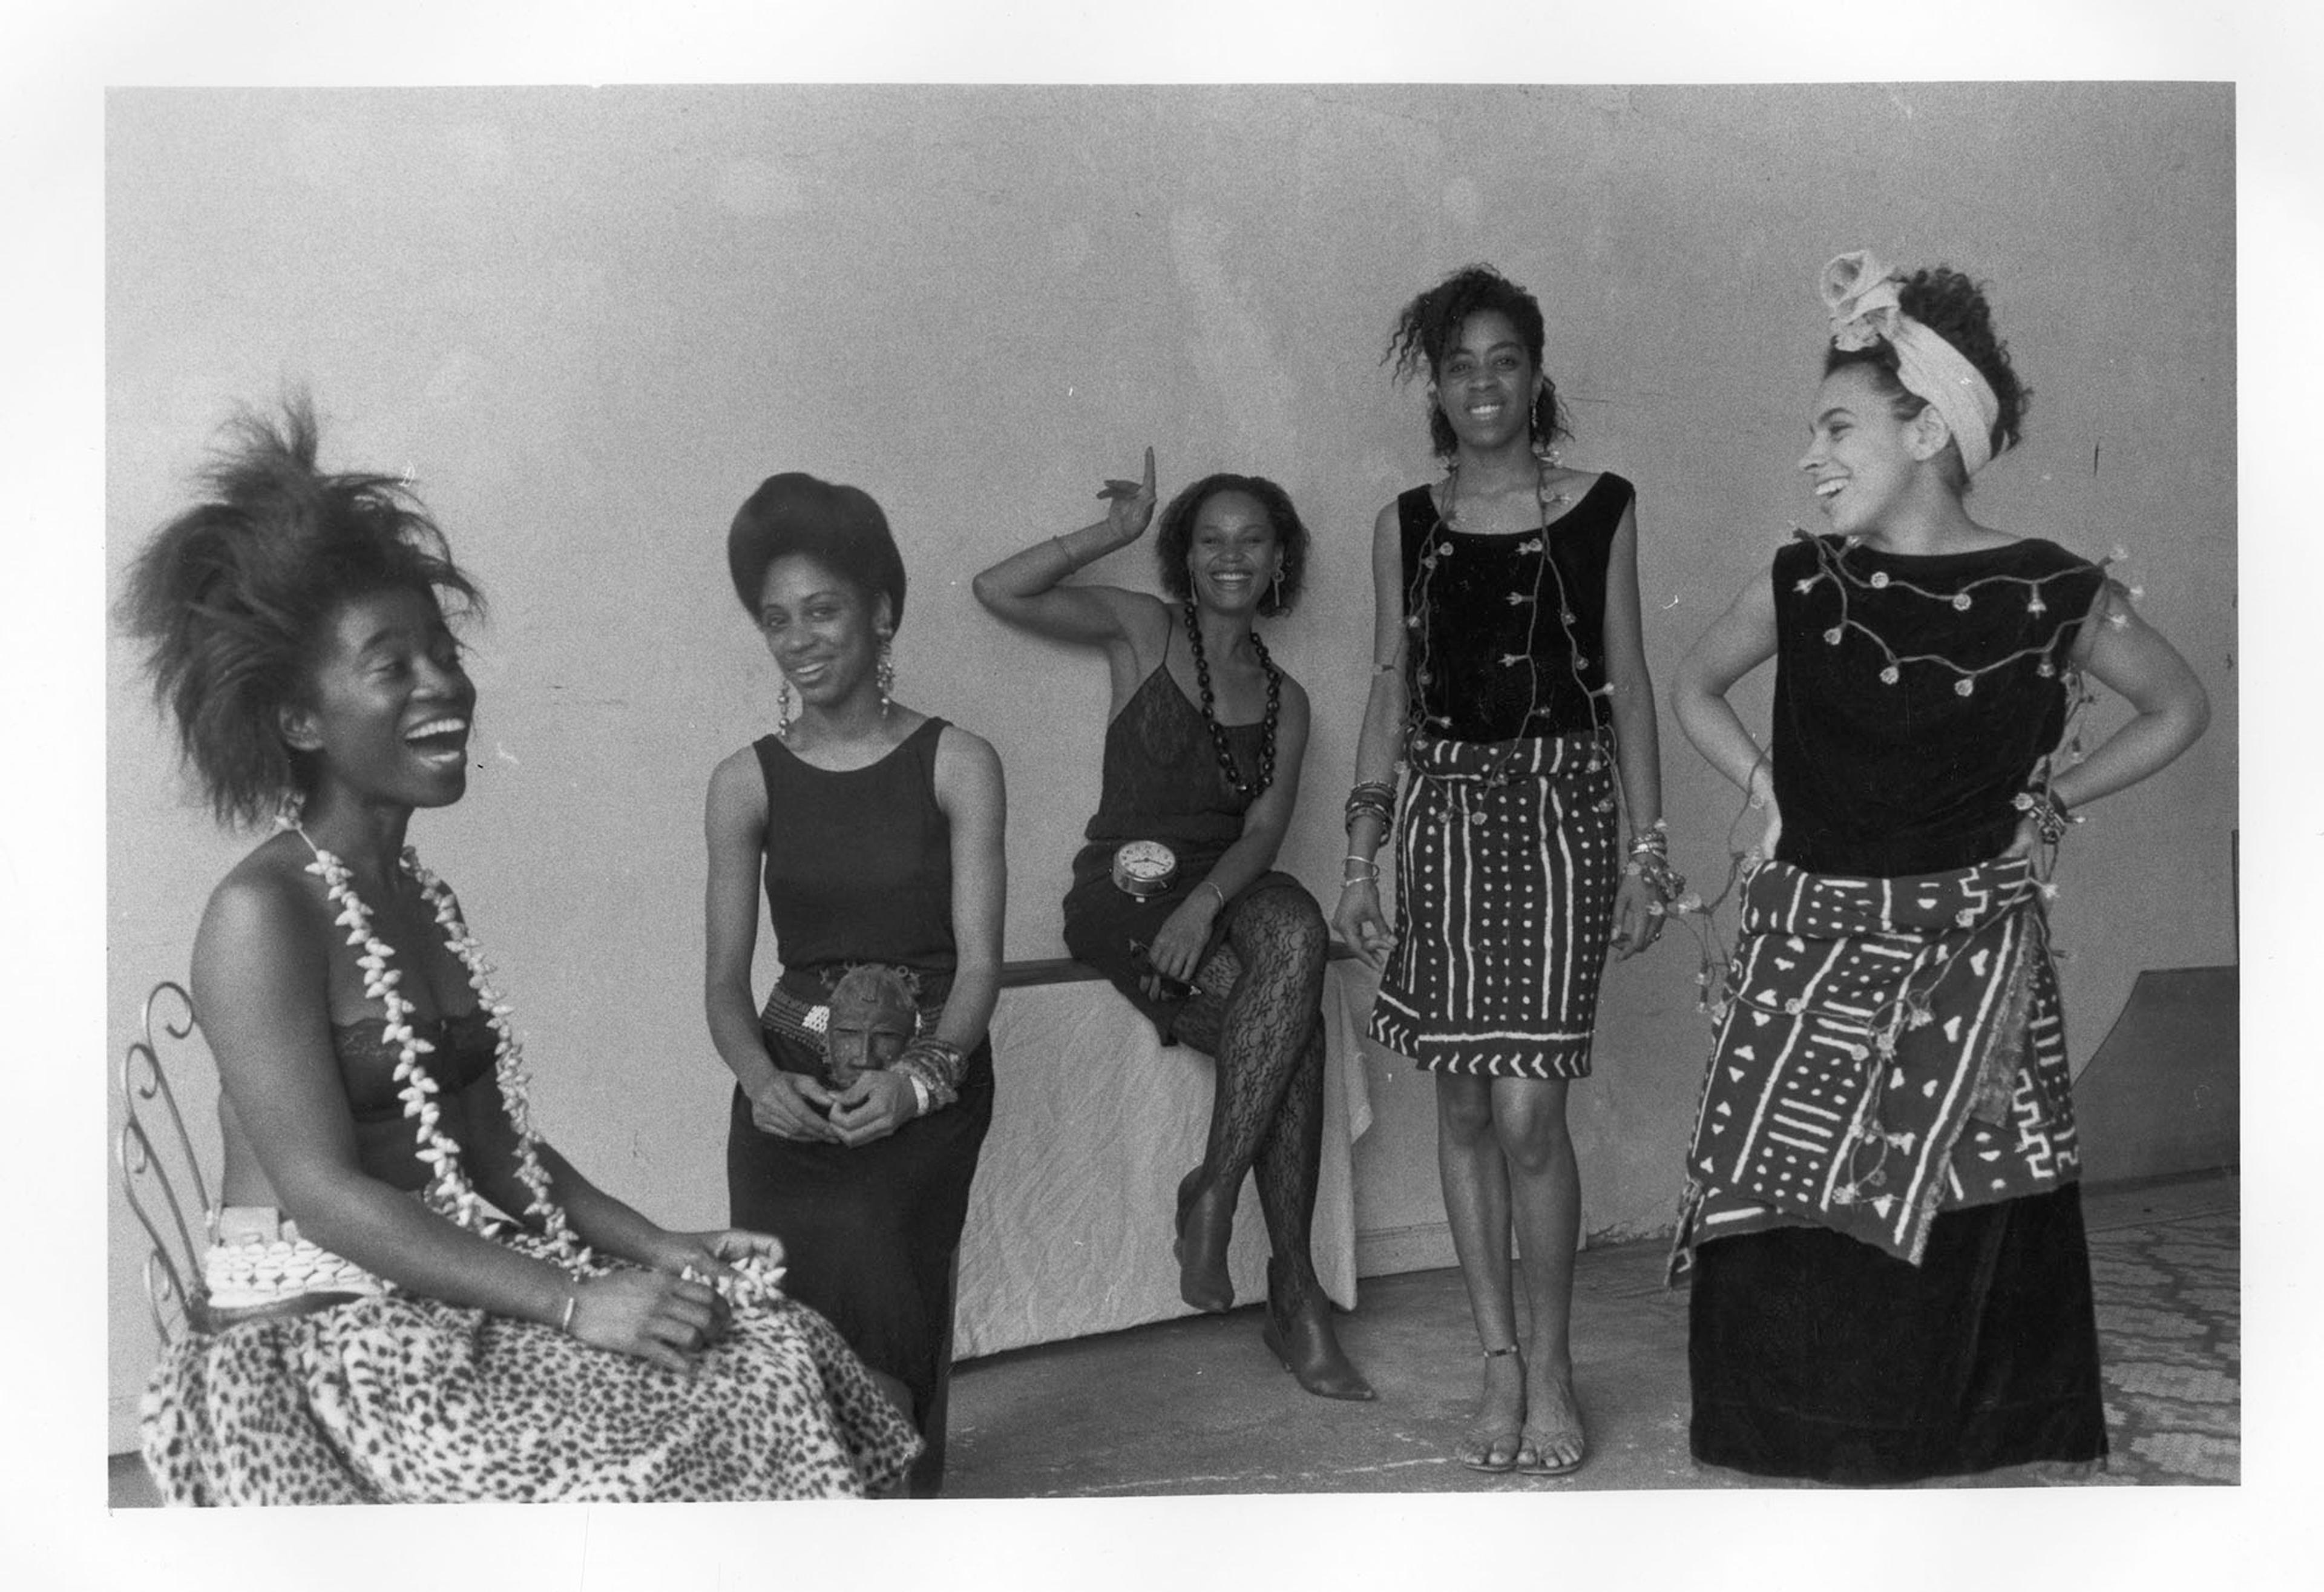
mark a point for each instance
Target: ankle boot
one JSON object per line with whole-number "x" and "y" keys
{"x": 1299, "y": 1330}
{"x": 1205, "y": 1227}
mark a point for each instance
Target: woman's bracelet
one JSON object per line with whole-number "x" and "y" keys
{"x": 2051, "y": 817}
{"x": 1072, "y": 563}
{"x": 1221, "y": 894}
{"x": 1367, "y": 871}
{"x": 934, "y": 1066}
{"x": 1373, "y": 798}
{"x": 572, "y": 1298}
{"x": 1655, "y": 869}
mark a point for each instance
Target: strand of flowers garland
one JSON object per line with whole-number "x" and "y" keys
{"x": 1831, "y": 566}
{"x": 1699, "y": 915}
{"x": 449, "y": 1188}
{"x": 1418, "y": 615}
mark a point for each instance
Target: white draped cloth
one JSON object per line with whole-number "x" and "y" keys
{"x": 1094, "y": 1122}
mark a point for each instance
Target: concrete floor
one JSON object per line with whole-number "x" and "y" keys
{"x": 1198, "y": 1406}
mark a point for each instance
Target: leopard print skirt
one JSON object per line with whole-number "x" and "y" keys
{"x": 397, "y": 1399}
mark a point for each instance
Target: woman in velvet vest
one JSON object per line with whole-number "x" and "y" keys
{"x": 1890, "y": 1280}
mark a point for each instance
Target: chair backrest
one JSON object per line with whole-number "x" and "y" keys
{"x": 152, "y": 1157}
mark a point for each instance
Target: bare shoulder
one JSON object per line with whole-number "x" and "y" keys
{"x": 737, "y": 789}
{"x": 1147, "y": 621}
{"x": 266, "y": 908}
{"x": 1576, "y": 485}
{"x": 965, "y": 754}
{"x": 969, "y": 785}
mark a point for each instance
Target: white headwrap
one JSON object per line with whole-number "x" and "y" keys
{"x": 1860, "y": 295}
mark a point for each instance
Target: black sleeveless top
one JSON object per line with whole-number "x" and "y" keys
{"x": 1878, "y": 777}
{"x": 858, "y": 861}
{"x": 1510, "y": 638}
{"x": 1161, "y": 779}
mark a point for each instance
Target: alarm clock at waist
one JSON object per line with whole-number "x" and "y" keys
{"x": 1145, "y": 868}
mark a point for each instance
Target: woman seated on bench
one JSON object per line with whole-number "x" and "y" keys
{"x": 387, "y": 1334}
{"x": 1174, "y": 897}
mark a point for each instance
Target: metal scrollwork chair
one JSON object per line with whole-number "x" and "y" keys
{"x": 174, "y": 1289}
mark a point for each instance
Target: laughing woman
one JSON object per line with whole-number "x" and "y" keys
{"x": 864, "y": 1085}
{"x": 1175, "y": 897}
{"x": 1890, "y": 1277}
{"x": 380, "y": 1332}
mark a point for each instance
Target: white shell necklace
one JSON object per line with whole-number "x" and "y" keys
{"x": 449, "y": 1191}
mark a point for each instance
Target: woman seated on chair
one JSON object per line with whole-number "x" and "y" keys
{"x": 419, "y": 1300}
{"x": 1174, "y": 897}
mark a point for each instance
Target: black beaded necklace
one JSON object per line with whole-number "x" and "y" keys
{"x": 1209, "y": 716}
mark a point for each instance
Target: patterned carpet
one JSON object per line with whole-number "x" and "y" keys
{"x": 2170, "y": 1319}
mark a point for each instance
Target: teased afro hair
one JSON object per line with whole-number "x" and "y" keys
{"x": 233, "y": 597}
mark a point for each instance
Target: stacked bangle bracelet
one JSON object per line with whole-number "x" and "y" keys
{"x": 2050, "y": 816}
{"x": 1650, "y": 861}
{"x": 1373, "y": 797}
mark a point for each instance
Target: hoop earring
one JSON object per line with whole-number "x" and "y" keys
{"x": 885, "y": 674}
{"x": 783, "y": 711}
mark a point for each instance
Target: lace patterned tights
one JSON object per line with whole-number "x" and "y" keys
{"x": 1266, "y": 1034}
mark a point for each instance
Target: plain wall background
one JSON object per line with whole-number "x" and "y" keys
{"x": 589, "y": 321}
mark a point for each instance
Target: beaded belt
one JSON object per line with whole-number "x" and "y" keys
{"x": 793, "y": 1011}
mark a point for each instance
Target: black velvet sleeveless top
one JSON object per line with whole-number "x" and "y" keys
{"x": 858, "y": 861}
{"x": 1511, "y": 635}
{"x": 1877, "y": 777}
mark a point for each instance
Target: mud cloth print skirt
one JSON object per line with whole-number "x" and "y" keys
{"x": 1507, "y": 866}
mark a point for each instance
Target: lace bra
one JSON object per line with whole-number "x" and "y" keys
{"x": 464, "y": 1052}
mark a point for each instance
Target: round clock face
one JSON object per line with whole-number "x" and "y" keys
{"x": 1144, "y": 868}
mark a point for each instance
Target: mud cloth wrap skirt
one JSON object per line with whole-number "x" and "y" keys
{"x": 1507, "y": 866}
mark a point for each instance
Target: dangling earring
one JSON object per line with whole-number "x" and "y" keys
{"x": 783, "y": 710}
{"x": 885, "y": 672}
{"x": 1537, "y": 437}
{"x": 1274, "y": 590}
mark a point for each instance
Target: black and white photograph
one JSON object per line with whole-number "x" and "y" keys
{"x": 1271, "y": 808}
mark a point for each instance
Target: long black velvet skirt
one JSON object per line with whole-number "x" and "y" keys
{"x": 870, "y": 1234}
{"x": 1817, "y": 1356}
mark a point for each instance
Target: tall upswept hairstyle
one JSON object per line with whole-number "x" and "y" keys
{"x": 1429, "y": 327}
{"x": 232, "y": 597}
{"x": 840, "y": 527}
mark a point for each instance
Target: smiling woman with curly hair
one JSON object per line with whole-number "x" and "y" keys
{"x": 1176, "y": 897}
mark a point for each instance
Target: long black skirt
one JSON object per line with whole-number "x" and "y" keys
{"x": 1817, "y": 1356}
{"x": 870, "y": 1234}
